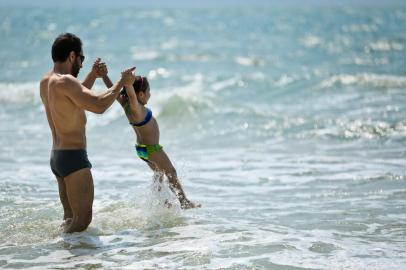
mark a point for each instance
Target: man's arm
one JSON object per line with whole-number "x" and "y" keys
{"x": 84, "y": 98}
{"x": 109, "y": 84}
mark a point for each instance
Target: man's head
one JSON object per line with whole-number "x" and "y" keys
{"x": 68, "y": 47}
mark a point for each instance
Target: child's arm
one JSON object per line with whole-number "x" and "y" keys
{"x": 107, "y": 80}
{"x": 93, "y": 74}
{"x": 135, "y": 106}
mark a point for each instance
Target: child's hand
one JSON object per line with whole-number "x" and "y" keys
{"x": 128, "y": 77}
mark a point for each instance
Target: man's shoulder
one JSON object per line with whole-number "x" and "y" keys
{"x": 45, "y": 78}
{"x": 44, "y": 83}
{"x": 64, "y": 81}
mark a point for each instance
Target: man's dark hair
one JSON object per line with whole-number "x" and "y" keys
{"x": 63, "y": 45}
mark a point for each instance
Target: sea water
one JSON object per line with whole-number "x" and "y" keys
{"x": 287, "y": 123}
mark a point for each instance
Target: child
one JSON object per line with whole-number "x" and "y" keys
{"x": 133, "y": 99}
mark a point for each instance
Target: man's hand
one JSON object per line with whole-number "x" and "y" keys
{"x": 128, "y": 77}
{"x": 99, "y": 69}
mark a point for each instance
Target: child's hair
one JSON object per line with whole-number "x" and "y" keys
{"x": 140, "y": 84}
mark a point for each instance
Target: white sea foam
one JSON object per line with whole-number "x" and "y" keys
{"x": 156, "y": 207}
{"x": 284, "y": 80}
{"x": 217, "y": 86}
{"x": 188, "y": 97}
{"x": 353, "y": 129}
{"x": 385, "y": 45}
{"x": 360, "y": 28}
{"x": 366, "y": 79}
{"x": 311, "y": 41}
{"x": 20, "y": 92}
{"x": 172, "y": 43}
{"x": 249, "y": 61}
{"x": 139, "y": 54}
{"x": 158, "y": 72}
{"x": 189, "y": 57}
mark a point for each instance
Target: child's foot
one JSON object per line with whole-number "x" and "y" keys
{"x": 188, "y": 205}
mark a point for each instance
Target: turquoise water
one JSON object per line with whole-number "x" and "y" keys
{"x": 288, "y": 124}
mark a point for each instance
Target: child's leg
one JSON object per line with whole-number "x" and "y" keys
{"x": 159, "y": 161}
{"x": 158, "y": 176}
{"x": 158, "y": 179}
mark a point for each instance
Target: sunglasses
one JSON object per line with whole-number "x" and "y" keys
{"x": 82, "y": 57}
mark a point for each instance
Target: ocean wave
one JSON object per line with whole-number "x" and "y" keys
{"x": 170, "y": 44}
{"x": 159, "y": 72}
{"x": 353, "y": 28}
{"x": 364, "y": 61}
{"x": 220, "y": 85}
{"x": 311, "y": 41}
{"x": 173, "y": 100}
{"x": 339, "y": 128}
{"x": 249, "y": 61}
{"x": 369, "y": 130}
{"x": 23, "y": 221}
{"x": 142, "y": 55}
{"x": 191, "y": 57}
{"x": 356, "y": 129}
{"x": 385, "y": 45}
{"x": 148, "y": 14}
{"x": 151, "y": 55}
{"x": 365, "y": 79}
{"x": 180, "y": 100}
{"x": 170, "y": 103}
{"x": 20, "y": 93}
{"x": 284, "y": 80}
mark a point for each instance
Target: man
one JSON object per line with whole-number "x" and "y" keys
{"x": 65, "y": 100}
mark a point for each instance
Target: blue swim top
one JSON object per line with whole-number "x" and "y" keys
{"x": 148, "y": 117}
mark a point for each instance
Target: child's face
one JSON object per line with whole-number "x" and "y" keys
{"x": 148, "y": 94}
{"x": 143, "y": 97}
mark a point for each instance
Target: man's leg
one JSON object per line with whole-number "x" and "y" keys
{"x": 67, "y": 210}
{"x": 80, "y": 192}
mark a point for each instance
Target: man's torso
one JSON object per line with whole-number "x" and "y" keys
{"x": 66, "y": 120}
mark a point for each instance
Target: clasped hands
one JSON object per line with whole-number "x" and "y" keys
{"x": 99, "y": 70}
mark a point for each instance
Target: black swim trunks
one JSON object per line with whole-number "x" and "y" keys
{"x": 65, "y": 162}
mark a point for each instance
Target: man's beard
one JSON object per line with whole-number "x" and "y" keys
{"x": 75, "y": 69}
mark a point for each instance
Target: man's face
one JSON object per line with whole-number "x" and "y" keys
{"x": 77, "y": 64}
